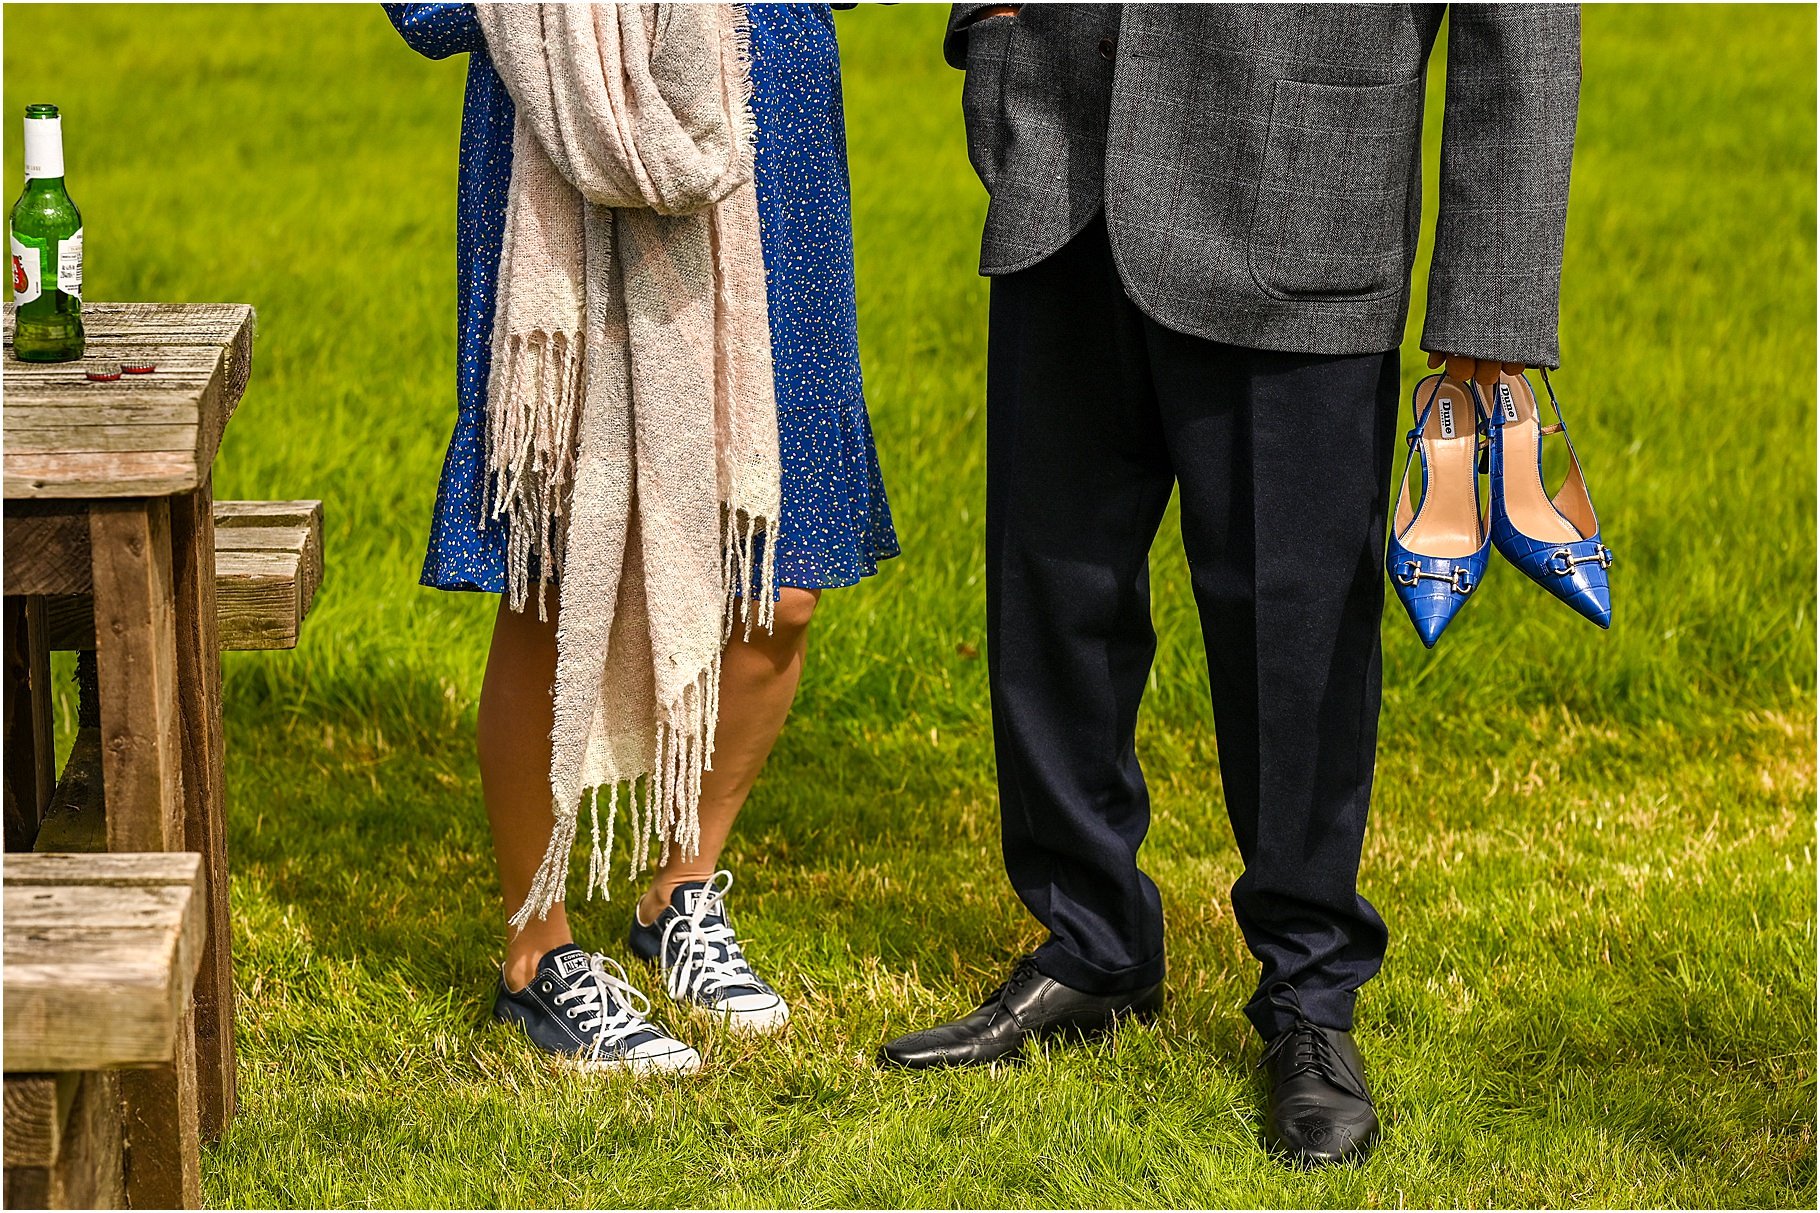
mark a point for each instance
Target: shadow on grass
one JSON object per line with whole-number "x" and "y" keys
{"x": 378, "y": 849}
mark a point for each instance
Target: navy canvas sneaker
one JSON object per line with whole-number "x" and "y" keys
{"x": 581, "y": 1008}
{"x": 692, "y": 944}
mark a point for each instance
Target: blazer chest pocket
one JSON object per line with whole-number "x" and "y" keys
{"x": 983, "y": 94}
{"x": 1333, "y": 216}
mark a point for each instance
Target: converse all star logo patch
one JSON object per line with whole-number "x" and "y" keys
{"x": 1507, "y": 402}
{"x": 571, "y": 964}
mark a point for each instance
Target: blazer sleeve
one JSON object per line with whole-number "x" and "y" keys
{"x": 437, "y": 30}
{"x": 1507, "y": 145}
{"x": 954, "y": 45}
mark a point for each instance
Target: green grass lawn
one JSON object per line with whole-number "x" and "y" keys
{"x": 1595, "y": 851}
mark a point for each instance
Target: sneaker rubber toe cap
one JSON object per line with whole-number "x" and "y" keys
{"x": 758, "y": 1012}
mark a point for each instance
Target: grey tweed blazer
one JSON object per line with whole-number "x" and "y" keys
{"x": 1260, "y": 164}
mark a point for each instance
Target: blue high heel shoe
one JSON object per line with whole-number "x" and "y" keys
{"x": 1555, "y": 540}
{"x": 1438, "y": 550}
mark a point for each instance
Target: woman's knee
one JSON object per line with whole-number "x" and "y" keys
{"x": 789, "y": 627}
{"x": 794, "y": 610}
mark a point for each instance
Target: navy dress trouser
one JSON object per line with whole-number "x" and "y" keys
{"x": 1094, "y": 414}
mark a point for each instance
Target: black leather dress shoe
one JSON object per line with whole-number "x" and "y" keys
{"x": 1027, "y": 1007}
{"x": 1320, "y": 1110}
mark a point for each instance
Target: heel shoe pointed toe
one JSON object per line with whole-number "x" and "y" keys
{"x": 1431, "y": 589}
{"x": 1555, "y": 541}
{"x": 1439, "y": 548}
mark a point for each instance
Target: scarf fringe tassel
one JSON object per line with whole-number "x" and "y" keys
{"x": 531, "y": 453}
{"x": 664, "y": 807}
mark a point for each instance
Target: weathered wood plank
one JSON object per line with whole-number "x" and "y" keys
{"x": 194, "y": 544}
{"x": 39, "y": 712}
{"x": 77, "y": 817}
{"x": 40, "y": 382}
{"x": 37, "y": 1107}
{"x": 136, "y": 662}
{"x": 176, "y": 345}
{"x": 72, "y": 621}
{"x": 44, "y": 950}
{"x": 47, "y": 546}
{"x": 61, "y": 401}
{"x": 184, "y": 359}
{"x": 96, "y": 905}
{"x": 256, "y": 563}
{"x": 99, "y": 974}
{"x": 239, "y": 514}
{"x": 91, "y": 1172}
{"x": 290, "y": 540}
{"x": 126, "y": 869}
{"x": 252, "y": 612}
{"x": 132, "y": 411}
{"x": 88, "y": 1172}
{"x": 29, "y": 1188}
{"x": 117, "y": 1006}
{"x": 216, "y": 323}
{"x": 260, "y": 599}
{"x": 79, "y": 399}
{"x": 247, "y": 516}
{"x": 163, "y": 1140}
{"x": 30, "y": 744}
{"x": 95, "y": 474}
{"x": 84, "y": 439}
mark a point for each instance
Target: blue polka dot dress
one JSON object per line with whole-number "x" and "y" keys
{"x": 836, "y": 523}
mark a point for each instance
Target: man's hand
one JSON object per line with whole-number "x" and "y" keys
{"x": 1461, "y": 368}
{"x": 997, "y": 10}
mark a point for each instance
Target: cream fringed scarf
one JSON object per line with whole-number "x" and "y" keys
{"x": 632, "y": 426}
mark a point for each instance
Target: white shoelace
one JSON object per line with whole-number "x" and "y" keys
{"x": 706, "y": 957}
{"x": 598, "y": 989}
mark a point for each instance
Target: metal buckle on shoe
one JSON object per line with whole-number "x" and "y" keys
{"x": 1561, "y": 562}
{"x": 1410, "y": 572}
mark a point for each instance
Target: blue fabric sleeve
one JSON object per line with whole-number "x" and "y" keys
{"x": 437, "y": 30}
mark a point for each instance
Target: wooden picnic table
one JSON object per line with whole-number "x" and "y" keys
{"x": 108, "y": 495}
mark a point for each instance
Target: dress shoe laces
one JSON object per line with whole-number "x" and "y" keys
{"x": 1310, "y": 1052}
{"x": 1021, "y": 975}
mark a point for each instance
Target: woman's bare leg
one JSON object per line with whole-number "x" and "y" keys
{"x": 513, "y": 739}
{"x": 758, "y": 679}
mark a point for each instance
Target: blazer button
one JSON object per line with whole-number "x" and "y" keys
{"x": 1106, "y": 48}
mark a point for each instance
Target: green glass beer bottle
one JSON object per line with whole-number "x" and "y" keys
{"x": 47, "y": 249}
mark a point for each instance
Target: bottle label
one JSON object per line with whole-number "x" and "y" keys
{"x": 69, "y": 265}
{"x": 43, "y": 147}
{"x": 28, "y": 272}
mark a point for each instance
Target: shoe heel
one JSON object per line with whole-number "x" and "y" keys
{"x": 1555, "y": 540}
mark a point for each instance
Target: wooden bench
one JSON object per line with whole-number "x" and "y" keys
{"x": 101, "y": 957}
{"x": 268, "y": 566}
